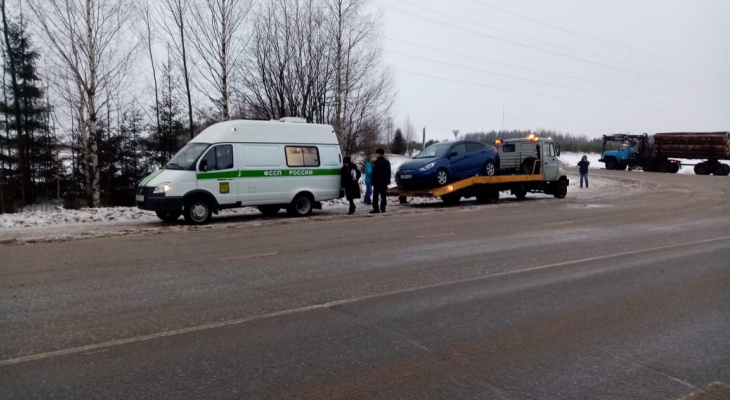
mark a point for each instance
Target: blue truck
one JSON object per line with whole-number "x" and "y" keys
{"x": 660, "y": 152}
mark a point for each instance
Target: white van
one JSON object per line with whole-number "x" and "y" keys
{"x": 270, "y": 164}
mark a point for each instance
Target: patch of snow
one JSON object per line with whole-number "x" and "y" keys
{"x": 571, "y": 159}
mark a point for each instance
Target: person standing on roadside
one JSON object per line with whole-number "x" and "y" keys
{"x": 350, "y": 177}
{"x": 583, "y": 170}
{"x": 380, "y": 181}
{"x": 368, "y": 182}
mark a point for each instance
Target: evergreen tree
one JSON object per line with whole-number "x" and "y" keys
{"x": 31, "y": 149}
{"x": 399, "y": 144}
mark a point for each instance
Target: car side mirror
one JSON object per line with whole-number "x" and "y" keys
{"x": 453, "y": 154}
{"x": 203, "y": 165}
{"x": 557, "y": 151}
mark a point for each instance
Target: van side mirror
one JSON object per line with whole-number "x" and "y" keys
{"x": 203, "y": 165}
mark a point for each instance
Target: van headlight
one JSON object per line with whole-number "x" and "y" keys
{"x": 428, "y": 166}
{"x": 162, "y": 188}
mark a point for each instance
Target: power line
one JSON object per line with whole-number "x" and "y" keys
{"x": 544, "y": 83}
{"x": 572, "y": 32}
{"x": 585, "y": 60}
{"x": 535, "y": 69}
{"x": 471, "y": 83}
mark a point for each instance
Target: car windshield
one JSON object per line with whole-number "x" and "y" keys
{"x": 434, "y": 150}
{"x": 187, "y": 156}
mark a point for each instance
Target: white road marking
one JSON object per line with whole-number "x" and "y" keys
{"x": 299, "y": 310}
{"x": 248, "y": 256}
{"x": 435, "y": 235}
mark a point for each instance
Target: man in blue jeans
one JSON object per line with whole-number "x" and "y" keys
{"x": 583, "y": 170}
{"x": 368, "y": 183}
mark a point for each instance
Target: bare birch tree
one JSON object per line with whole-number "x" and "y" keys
{"x": 149, "y": 39}
{"x": 178, "y": 11}
{"x": 217, "y": 35}
{"x": 409, "y": 133}
{"x": 91, "y": 42}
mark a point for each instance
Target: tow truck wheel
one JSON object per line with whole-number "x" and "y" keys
{"x": 561, "y": 191}
{"x": 490, "y": 169}
{"x": 520, "y": 193}
{"x": 168, "y": 217}
{"x": 442, "y": 177}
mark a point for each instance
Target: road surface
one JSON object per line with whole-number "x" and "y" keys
{"x": 621, "y": 292}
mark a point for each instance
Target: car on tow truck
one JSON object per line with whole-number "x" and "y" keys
{"x": 441, "y": 163}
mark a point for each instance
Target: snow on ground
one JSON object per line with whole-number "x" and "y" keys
{"x": 571, "y": 160}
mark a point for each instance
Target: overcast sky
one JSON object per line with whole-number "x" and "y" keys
{"x": 580, "y": 66}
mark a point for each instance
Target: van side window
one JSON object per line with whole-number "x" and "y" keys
{"x": 302, "y": 156}
{"x": 219, "y": 158}
{"x": 508, "y": 148}
{"x": 224, "y": 157}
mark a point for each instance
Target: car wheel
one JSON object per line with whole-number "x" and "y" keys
{"x": 268, "y": 210}
{"x": 442, "y": 177}
{"x": 197, "y": 211}
{"x": 490, "y": 169}
{"x": 301, "y": 206}
{"x": 168, "y": 217}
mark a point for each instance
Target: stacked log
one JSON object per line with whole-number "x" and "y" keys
{"x": 693, "y": 145}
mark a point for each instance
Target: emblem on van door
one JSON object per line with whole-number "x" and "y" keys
{"x": 224, "y": 187}
{"x": 272, "y": 173}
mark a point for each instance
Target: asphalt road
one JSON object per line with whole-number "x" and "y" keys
{"x": 620, "y": 294}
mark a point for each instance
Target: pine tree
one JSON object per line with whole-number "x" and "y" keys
{"x": 31, "y": 147}
{"x": 399, "y": 144}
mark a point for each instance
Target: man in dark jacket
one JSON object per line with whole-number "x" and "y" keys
{"x": 381, "y": 180}
{"x": 583, "y": 170}
{"x": 350, "y": 177}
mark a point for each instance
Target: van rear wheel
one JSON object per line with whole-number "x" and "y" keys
{"x": 561, "y": 191}
{"x": 301, "y": 206}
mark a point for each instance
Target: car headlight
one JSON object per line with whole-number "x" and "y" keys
{"x": 162, "y": 188}
{"x": 428, "y": 166}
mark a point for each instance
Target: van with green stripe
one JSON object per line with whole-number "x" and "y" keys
{"x": 272, "y": 165}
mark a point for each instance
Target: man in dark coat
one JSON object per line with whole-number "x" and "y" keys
{"x": 381, "y": 180}
{"x": 583, "y": 170}
{"x": 350, "y": 176}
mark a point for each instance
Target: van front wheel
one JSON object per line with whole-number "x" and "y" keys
{"x": 301, "y": 206}
{"x": 197, "y": 212}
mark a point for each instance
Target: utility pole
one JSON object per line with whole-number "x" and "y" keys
{"x": 423, "y": 144}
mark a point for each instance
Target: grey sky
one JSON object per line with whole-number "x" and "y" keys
{"x": 616, "y": 66}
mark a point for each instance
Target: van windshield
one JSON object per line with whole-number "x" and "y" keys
{"x": 187, "y": 156}
{"x": 434, "y": 150}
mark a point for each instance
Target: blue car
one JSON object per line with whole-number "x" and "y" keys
{"x": 446, "y": 162}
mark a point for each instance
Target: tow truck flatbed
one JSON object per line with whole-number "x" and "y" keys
{"x": 463, "y": 184}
